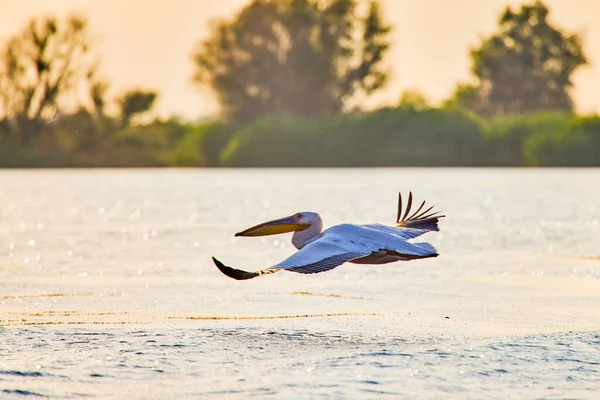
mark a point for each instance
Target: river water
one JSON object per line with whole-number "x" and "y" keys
{"x": 107, "y": 288}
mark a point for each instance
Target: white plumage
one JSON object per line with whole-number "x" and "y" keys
{"x": 361, "y": 244}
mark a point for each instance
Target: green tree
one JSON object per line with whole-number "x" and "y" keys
{"x": 526, "y": 67}
{"x": 300, "y": 57}
{"x": 135, "y": 102}
{"x": 45, "y": 70}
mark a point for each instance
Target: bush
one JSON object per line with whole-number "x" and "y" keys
{"x": 387, "y": 137}
{"x": 432, "y": 137}
{"x": 14, "y": 154}
{"x": 574, "y": 143}
{"x": 517, "y": 139}
{"x": 546, "y": 139}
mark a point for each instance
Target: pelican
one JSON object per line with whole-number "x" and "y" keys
{"x": 320, "y": 251}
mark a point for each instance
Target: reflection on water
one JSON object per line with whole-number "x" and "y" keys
{"x": 106, "y": 280}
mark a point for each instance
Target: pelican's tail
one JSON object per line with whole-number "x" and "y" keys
{"x": 423, "y": 220}
{"x": 240, "y": 275}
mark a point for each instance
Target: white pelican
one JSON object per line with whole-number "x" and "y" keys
{"x": 320, "y": 251}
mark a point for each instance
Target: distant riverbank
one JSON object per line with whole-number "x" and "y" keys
{"x": 389, "y": 137}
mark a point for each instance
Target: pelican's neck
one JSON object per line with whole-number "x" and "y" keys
{"x": 302, "y": 238}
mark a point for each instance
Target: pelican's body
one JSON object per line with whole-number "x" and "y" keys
{"x": 320, "y": 250}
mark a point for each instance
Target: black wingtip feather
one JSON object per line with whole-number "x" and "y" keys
{"x": 423, "y": 220}
{"x": 408, "y": 206}
{"x": 237, "y": 274}
{"x": 398, "y": 217}
{"x": 428, "y": 224}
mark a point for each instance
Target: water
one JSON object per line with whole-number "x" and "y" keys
{"x": 107, "y": 288}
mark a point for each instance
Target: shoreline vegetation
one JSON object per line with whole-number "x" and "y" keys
{"x": 391, "y": 137}
{"x": 289, "y": 76}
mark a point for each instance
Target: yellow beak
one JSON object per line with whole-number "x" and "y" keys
{"x": 283, "y": 225}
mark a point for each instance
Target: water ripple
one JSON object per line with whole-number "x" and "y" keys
{"x": 23, "y": 373}
{"x": 23, "y": 392}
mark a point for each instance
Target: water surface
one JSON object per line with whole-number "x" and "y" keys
{"x": 107, "y": 288}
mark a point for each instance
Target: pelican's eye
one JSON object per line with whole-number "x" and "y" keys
{"x": 299, "y": 216}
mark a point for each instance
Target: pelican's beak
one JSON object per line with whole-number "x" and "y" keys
{"x": 283, "y": 225}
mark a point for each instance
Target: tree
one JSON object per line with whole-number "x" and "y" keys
{"x": 301, "y": 57}
{"x": 45, "y": 70}
{"x": 135, "y": 102}
{"x": 525, "y": 67}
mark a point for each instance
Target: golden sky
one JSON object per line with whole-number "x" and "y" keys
{"x": 149, "y": 43}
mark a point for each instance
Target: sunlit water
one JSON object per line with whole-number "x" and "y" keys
{"x": 107, "y": 288}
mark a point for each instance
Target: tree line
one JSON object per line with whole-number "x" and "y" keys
{"x": 291, "y": 77}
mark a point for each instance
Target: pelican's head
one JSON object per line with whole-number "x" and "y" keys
{"x": 297, "y": 222}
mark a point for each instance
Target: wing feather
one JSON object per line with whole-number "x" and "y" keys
{"x": 239, "y": 274}
{"x": 325, "y": 253}
{"x": 424, "y": 221}
{"x": 400, "y": 233}
{"x": 326, "y": 264}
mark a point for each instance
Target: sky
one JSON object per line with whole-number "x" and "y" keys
{"x": 149, "y": 44}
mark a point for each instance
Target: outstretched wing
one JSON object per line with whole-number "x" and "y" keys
{"x": 321, "y": 255}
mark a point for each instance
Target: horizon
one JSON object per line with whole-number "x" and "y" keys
{"x": 135, "y": 54}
